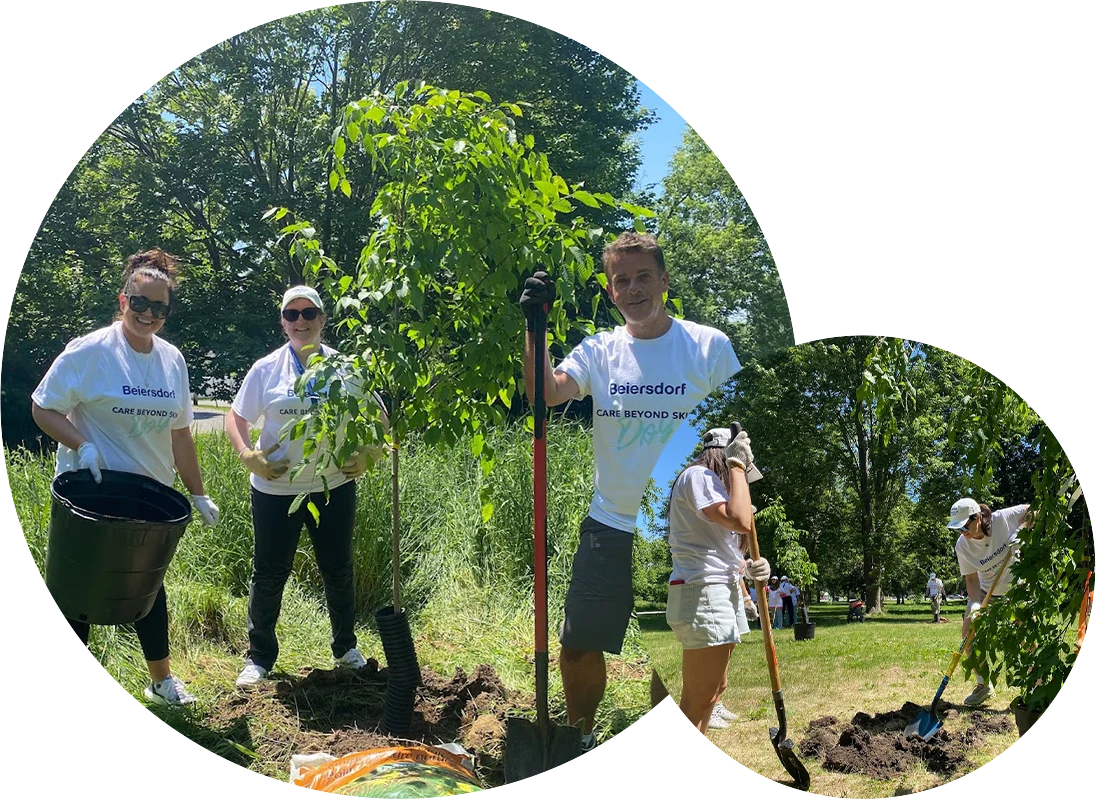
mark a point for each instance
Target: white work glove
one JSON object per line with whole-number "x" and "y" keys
{"x": 258, "y": 462}
{"x": 757, "y": 569}
{"x": 973, "y": 608}
{"x": 751, "y": 610}
{"x": 209, "y": 512}
{"x": 92, "y": 460}
{"x": 738, "y": 451}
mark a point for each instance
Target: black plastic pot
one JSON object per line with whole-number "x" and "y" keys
{"x": 403, "y": 670}
{"x": 1024, "y": 717}
{"x": 110, "y": 544}
{"x": 804, "y": 630}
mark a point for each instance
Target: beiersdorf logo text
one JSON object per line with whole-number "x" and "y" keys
{"x": 660, "y": 389}
{"x": 136, "y": 391}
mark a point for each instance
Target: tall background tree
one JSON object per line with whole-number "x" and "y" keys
{"x": 193, "y": 164}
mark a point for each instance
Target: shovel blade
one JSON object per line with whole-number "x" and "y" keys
{"x": 925, "y": 726}
{"x": 792, "y": 764}
{"x": 532, "y": 749}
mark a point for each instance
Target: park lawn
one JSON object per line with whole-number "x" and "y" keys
{"x": 874, "y": 667}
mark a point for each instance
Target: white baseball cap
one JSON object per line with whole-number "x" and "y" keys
{"x": 932, "y": 575}
{"x": 720, "y": 437}
{"x": 961, "y": 511}
{"x": 307, "y": 292}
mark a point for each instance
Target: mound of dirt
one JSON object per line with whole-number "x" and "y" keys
{"x": 339, "y": 711}
{"x": 877, "y": 746}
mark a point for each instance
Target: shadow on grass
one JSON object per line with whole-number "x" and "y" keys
{"x": 233, "y": 741}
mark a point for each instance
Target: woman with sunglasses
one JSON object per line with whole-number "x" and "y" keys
{"x": 985, "y": 540}
{"x": 119, "y": 398}
{"x": 709, "y": 513}
{"x": 268, "y": 397}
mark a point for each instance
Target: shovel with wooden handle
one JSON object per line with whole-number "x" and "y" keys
{"x": 927, "y": 723}
{"x": 783, "y": 745}
{"x": 535, "y": 747}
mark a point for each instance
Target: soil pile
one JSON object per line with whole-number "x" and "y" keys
{"x": 339, "y": 711}
{"x": 877, "y": 746}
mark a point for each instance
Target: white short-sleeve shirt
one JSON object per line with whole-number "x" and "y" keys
{"x": 124, "y": 402}
{"x": 268, "y": 397}
{"x": 702, "y": 551}
{"x": 642, "y": 390}
{"x": 986, "y": 555}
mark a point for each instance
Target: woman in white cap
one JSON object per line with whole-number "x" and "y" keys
{"x": 268, "y": 397}
{"x": 985, "y": 540}
{"x": 709, "y": 512}
{"x": 119, "y": 398}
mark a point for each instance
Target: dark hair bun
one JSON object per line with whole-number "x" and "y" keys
{"x": 154, "y": 259}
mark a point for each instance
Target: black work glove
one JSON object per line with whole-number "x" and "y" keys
{"x": 540, "y": 290}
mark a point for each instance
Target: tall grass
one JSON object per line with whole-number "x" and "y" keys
{"x": 444, "y": 539}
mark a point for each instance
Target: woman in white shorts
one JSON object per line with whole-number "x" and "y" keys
{"x": 709, "y": 513}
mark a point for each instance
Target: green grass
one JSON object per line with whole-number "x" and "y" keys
{"x": 467, "y": 585}
{"x": 873, "y": 667}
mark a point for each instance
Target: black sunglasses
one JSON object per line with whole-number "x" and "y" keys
{"x": 291, "y": 314}
{"x": 963, "y": 529}
{"x": 140, "y": 304}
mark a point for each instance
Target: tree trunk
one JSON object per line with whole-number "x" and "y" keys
{"x": 873, "y": 590}
{"x": 395, "y": 525}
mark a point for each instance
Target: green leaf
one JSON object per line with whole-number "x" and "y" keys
{"x": 295, "y": 505}
{"x": 487, "y": 510}
{"x": 312, "y": 509}
{"x": 344, "y": 186}
{"x": 340, "y": 147}
{"x": 586, "y": 198}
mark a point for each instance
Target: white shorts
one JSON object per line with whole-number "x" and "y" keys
{"x": 706, "y": 614}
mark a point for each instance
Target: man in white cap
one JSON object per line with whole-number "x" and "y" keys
{"x": 786, "y": 605}
{"x": 934, "y": 589}
{"x": 984, "y": 544}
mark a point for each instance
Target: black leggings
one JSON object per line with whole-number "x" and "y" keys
{"x": 151, "y": 629}
{"x": 276, "y": 536}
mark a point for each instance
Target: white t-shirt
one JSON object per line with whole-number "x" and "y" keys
{"x": 124, "y": 402}
{"x": 935, "y": 586}
{"x": 268, "y": 395}
{"x": 785, "y": 589}
{"x": 986, "y": 555}
{"x": 774, "y": 597}
{"x": 702, "y": 551}
{"x": 642, "y": 391}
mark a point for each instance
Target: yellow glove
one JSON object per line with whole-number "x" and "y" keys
{"x": 259, "y": 463}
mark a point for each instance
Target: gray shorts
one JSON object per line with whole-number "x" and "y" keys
{"x": 599, "y": 598}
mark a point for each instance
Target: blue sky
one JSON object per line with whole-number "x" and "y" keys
{"x": 679, "y": 448}
{"x": 659, "y": 142}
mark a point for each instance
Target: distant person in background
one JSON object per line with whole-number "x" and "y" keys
{"x": 785, "y": 591}
{"x": 794, "y": 591}
{"x": 119, "y": 399}
{"x": 934, "y": 590}
{"x": 268, "y": 397}
{"x": 776, "y": 605}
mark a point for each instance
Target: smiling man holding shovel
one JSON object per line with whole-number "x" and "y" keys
{"x": 644, "y": 377}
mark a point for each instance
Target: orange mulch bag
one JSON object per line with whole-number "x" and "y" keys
{"x": 400, "y": 772}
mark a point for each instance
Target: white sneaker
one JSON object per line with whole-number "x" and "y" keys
{"x": 252, "y": 675}
{"x": 351, "y": 659}
{"x": 981, "y": 694}
{"x": 716, "y": 723}
{"x": 169, "y": 691}
{"x": 721, "y": 711}
{"x": 588, "y": 742}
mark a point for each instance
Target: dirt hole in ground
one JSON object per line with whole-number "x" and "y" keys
{"x": 877, "y": 746}
{"x": 339, "y": 711}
